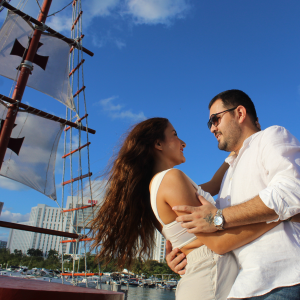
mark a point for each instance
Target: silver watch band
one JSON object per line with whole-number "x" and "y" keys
{"x": 219, "y": 215}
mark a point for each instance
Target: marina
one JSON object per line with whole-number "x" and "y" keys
{"x": 152, "y": 288}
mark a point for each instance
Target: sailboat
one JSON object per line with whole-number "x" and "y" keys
{"x": 34, "y": 55}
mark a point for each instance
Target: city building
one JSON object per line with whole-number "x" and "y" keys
{"x": 45, "y": 216}
{"x": 159, "y": 251}
{"x": 3, "y": 244}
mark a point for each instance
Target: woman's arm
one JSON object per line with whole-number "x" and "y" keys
{"x": 213, "y": 186}
{"x": 229, "y": 239}
{"x": 176, "y": 189}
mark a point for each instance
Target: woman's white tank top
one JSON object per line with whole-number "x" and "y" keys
{"x": 177, "y": 235}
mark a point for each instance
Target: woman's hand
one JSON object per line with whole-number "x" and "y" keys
{"x": 176, "y": 262}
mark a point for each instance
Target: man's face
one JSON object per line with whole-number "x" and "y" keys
{"x": 228, "y": 131}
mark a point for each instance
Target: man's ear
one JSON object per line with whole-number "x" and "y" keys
{"x": 158, "y": 145}
{"x": 242, "y": 113}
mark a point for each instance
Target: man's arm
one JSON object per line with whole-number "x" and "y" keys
{"x": 252, "y": 211}
{"x": 279, "y": 157}
{"x": 200, "y": 218}
{"x": 213, "y": 186}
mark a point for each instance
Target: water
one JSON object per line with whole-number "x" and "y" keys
{"x": 139, "y": 293}
{"x": 135, "y": 293}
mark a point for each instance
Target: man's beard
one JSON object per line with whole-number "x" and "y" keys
{"x": 233, "y": 135}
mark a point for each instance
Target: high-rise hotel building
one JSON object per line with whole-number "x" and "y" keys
{"x": 45, "y": 216}
{"x": 48, "y": 217}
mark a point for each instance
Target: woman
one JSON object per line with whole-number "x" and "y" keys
{"x": 125, "y": 224}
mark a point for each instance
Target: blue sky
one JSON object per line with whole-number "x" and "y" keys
{"x": 168, "y": 58}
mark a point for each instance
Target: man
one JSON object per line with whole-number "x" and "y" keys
{"x": 262, "y": 184}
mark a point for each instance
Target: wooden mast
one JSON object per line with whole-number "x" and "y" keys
{"x": 25, "y": 71}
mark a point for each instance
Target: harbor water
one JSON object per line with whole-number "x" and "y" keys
{"x": 139, "y": 293}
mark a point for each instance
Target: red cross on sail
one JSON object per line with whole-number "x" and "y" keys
{"x": 51, "y": 73}
{"x": 31, "y": 159}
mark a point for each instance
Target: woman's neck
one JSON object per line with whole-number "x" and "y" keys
{"x": 161, "y": 166}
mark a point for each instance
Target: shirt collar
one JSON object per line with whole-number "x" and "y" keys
{"x": 231, "y": 159}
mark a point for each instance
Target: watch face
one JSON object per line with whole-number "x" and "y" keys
{"x": 218, "y": 220}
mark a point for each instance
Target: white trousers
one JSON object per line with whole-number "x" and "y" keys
{"x": 208, "y": 276}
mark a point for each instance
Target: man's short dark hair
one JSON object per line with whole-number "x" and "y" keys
{"x": 232, "y": 98}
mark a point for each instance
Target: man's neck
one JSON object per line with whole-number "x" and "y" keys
{"x": 246, "y": 133}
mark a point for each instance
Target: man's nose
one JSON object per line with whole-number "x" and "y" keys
{"x": 213, "y": 128}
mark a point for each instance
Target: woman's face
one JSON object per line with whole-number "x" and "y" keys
{"x": 172, "y": 146}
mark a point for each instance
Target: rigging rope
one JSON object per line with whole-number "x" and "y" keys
{"x": 61, "y": 9}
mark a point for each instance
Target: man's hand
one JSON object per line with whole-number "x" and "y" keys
{"x": 176, "y": 263}
{"x": 199, "y": 218}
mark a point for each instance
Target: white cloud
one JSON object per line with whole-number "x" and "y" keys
{"x": 116, "y": 111}
{"x": 119, "y": 43}
{"x": 107, "y": 39}
{"x": 156, "y": 11}
{"x": 142, "y": 11}
{"x": 101, "y": 8}
{"x": 60, "y": 23}
{"x": 8, "y": 216}
{"x": 136, "y": 12}
{"x": 9, "y": 184}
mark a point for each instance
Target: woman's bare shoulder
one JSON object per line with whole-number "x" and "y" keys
{"x": 176, "y": 185}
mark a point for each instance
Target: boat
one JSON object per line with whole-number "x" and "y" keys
{"x": 36, "y": 56}
{"x": 133, "y": 282}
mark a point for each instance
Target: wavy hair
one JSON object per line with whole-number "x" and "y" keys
{"x": 124, "y": 225}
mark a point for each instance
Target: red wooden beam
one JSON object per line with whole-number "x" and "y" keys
{"x": 80, "y": 274}
{"x": 45, "y": 115}
{"x": 67, "y": 128}
{"x": 74, "y": 241}
{"x": 75, "y": 22}
{"x": 19, "y": 89}
{"x": 79, "y": 39}
{"x": 66, "y": 155}
{"x": 82, "y": 61}
{"x": 78, "y": 208}
{"x": 79, "y": 91}
{"x": 77, "y": 178}
{"x": 37, "y": 229}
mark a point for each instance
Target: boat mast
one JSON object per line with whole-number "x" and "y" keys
{"x": 25, "y": 71}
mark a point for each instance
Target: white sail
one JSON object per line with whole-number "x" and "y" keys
{"x": 50, "y": 73}
{"x": 31, "y": 154}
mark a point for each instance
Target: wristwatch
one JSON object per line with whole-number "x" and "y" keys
{"x": 219, "y": 220}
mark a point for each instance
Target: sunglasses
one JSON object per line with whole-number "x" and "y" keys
{"x": 215, "y": 120}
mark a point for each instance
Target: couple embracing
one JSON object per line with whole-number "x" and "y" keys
{"x": 246, "y": 245}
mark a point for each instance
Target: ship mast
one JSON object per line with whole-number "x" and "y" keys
{"x": 25, "y": 71}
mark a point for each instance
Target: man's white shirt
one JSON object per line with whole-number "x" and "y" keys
{"x": 267, "y": 165}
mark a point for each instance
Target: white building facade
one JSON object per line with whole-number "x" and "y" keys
{"x": 44, "y": 216}
{"x": 159, "y": 251}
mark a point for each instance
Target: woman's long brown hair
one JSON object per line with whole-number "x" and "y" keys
{"x": 124, "y": 225}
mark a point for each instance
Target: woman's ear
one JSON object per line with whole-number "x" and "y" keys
{"x": 158, "y": 145}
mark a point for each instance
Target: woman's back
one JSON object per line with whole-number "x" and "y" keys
{"x": 173, "y": 231}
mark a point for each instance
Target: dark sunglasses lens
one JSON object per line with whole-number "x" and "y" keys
{"x": 209, "y": 123}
